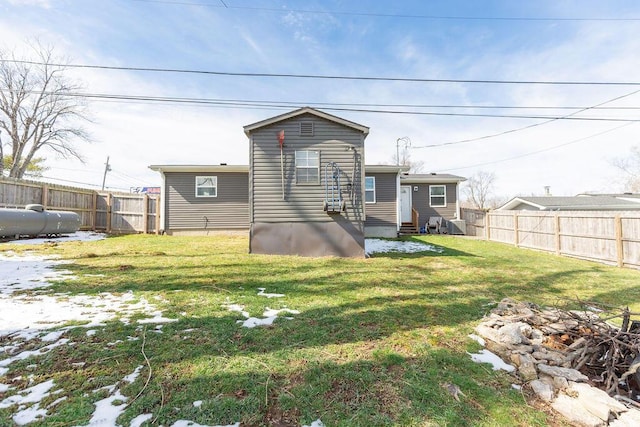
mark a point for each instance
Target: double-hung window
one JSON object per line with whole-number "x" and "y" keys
{"x": 307, "y": 167}
{"x": 206, "y": 186}
{"x": 369, "y": 189}
{"x": 437, "y": 196}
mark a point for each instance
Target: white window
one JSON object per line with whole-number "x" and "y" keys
{"x": 206, "y": 186}
{"x": 369, "y": 189}
{"x": 308, "y": 167}
{"x": 437, "y": 196}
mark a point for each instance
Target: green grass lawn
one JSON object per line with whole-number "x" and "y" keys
{"x": 373, "y": 343}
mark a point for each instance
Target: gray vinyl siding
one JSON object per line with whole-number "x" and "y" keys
{"x": 384, "y": 211}
{"x": 185, "y": 211}
{"x": 420, "y": 202}
{"x": 303, "y": 202}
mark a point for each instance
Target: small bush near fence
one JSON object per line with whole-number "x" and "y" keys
{"x": 118, "y": 213}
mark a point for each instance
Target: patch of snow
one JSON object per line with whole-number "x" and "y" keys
{"x": 140, "y": 419}
{"x": 185, "y": 423}
{"x": 197, "y": 403}
{"x": 106, "y": 413}
{"x": 33, "y": 395}
{"x": 237, "y": 308}
{"x": 132, "y": 377}
{"x": 478, "y": 339}
{"x": 78, "y": 236}
{"x": 263, "y": 294}
{"x": 270, "y": 316}
{"x": 53, "y": 336}
{"x": 157, "y": 318}
{"x": 91, "y": 332}
{"x": 55, "y": 402}
{"x": 28, "y": 271}
{"x": 373, "y": 246}
{"x": 25, "y": 354}
{"x": 485, "y": 356}
{"x": 4, "y": 387}
{"x": 316, "y": 423}
{"x": 516, "y": 386}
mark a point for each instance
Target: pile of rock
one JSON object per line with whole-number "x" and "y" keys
{"x": 549, "y": 356}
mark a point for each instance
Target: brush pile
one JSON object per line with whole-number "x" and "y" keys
{"x": 576, "y": 360}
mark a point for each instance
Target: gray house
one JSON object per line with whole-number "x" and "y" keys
{"x": 305, "y": 192}
{"x": 203, "y": 199}
{"x": 429, "y": 195}
{"x": 583, "y": 202}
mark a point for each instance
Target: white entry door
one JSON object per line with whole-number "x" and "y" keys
{"x": 405, "y": 203}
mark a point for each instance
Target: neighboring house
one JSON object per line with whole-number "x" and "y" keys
{"x": 583, "y": 202}
{"x": 429, "y": 195}
{"x": 305, "y": 191}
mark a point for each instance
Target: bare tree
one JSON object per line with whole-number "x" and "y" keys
{"x": 478, "y": 188}
{"x": 40, "y": 109}
{"x": 630, "y": 167}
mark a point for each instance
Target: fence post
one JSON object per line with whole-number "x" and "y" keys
{"x": 516, "y": 237}
{"x": 45, "y": 195}
{"x": 557, "y": 230}
{"x": 158, "y": 215}
{"x": 145, "y": 213}
{"x": 487, "y": 226}
{"x": 619, "y": 243}
{"x": 94, "y": 212}
{"x": 108, "y": 213}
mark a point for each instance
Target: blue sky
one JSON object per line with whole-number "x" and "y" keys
{"x": 460, "y": 40}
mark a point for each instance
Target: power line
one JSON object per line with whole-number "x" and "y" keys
{"x": 531, "y": 153}
{"x": 532, "y": 125}
{"x": 393, "y": 15}
{"x": 327, "y": 76}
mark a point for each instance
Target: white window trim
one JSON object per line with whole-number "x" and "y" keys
{"x": 214, "y": 178}
{"x": 444, "y": 196}
{"x": 307, "y": 167}
{"x": 374, "y": 189}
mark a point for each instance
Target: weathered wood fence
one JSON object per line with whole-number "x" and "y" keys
{"x": 111, "y": 212}
{"x": 611, "y": 237}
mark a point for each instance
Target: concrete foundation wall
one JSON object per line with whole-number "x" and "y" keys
{"x": 338, "y": 238}
{"x": 381, "y": 231}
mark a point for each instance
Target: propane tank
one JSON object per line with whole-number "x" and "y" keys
{"x": 34, "y": 220}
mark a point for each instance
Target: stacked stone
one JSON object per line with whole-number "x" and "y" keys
{"x": 532, "y": 340}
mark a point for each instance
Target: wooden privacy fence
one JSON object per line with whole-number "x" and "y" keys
{"x": 610, "y": 237}
{"x": 117, "y": 213}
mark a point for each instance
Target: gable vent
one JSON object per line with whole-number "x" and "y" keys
{"x": 306, "y": 128}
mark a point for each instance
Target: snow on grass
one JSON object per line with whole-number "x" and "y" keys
{"x": 82, "y": 236}
{"x": 32, "y": 395}
{"x": 374, "y": 246}
{"x": 156, "y": 319}
{"x": 316, "y": 423}
{"x": 28, "y": 271}
{"x": 185, "y": 423}
{"x": 485, "y": 356}
{"x": 25, "y": 354}
{"x": 263, "y": 294}
{"x": 197, "y": 403}
{"x": 269, "y": 316}
{"x": 140, "y": 419}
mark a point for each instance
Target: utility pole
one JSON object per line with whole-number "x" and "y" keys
{"x": 407, "y": 143}
{"x": 107, "y": 168}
